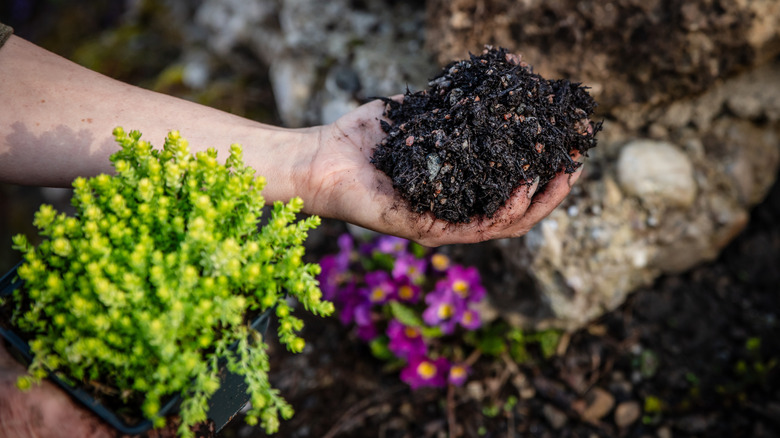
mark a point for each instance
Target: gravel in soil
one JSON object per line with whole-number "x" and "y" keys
{"x": 484, "y": 127}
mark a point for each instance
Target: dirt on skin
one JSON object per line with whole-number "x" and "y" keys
{"x": 484, "y": 127}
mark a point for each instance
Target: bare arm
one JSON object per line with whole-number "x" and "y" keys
{"x": 57, "y": 117}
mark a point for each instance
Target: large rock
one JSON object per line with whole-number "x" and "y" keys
{"x": 656, "y": 172}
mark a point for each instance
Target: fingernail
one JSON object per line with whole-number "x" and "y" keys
{"x": 532, "y": 188}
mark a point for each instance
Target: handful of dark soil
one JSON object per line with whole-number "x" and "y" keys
{"x": 484, "y": 127}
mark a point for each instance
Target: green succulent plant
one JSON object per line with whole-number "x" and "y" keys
{"x": 155, "y": 278}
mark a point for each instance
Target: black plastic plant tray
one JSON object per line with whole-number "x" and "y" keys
{"x": 223, "y": 404}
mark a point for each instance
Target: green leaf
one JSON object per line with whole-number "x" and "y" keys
{"x": 491, "y": 344}
{"x": 380, "y": 349}
{"x": 417, "y": 250}
{"x": 431, "y": 332}
{"x": 379, "y": 261}
{"x": 548, "y": 342}
{"x": 405, "y": 315}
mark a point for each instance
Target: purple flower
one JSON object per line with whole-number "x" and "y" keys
{"x": 465, "y": 282}
{"x": 367, "y": 332}
{"x": 458, "y": 374}
{"x": 349, "y": 300}
{"x": 364, "y": 321}
{"x": 362, "y": 314}
{"x": 391, "y": 245}
{"x": 405, "y": 341}
{"x": 330, "y": 277}
{"x": 470, "y": 320}
{"x": 421, "y": 371}
{"x": 444, "y": 310}
{"x": 346, "y": 244}
{"x": 380, "y": 287}
{"x": 335, "y": 268}
{"x": 440, "y": 262}
{"x": 407, "y": 291}
{"x": 409, "y": 266}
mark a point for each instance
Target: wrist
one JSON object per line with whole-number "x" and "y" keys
{"x": 283, "y": 157}
{"x": 316, "y": 172}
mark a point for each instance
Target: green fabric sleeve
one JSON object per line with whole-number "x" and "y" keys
{"x": 5, "y": 33}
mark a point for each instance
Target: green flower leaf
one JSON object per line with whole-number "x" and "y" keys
{"x": 405, "y": 315}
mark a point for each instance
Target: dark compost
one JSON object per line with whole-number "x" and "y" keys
{"x": 484, "y": 127}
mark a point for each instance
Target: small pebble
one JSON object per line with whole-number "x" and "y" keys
{"x": 600, "y": 403}
{"x": 627, "y": 413}
{"x": 554, "y": 416}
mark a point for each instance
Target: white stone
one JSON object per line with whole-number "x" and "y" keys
{"x": 656, "y": 172}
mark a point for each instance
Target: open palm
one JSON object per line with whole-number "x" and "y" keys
{"x": 356, "y": 192}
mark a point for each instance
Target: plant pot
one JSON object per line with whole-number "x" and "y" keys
{"x": 223, "y": 405}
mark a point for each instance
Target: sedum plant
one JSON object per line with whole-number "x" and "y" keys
{"x": 155, "y": 279}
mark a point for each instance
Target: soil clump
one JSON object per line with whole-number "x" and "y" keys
{"x": 484, "y": 127}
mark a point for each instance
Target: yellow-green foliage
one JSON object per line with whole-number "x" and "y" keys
{"x": 150, "y": 283}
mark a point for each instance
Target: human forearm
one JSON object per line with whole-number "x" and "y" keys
{"x": 57, "y": 117}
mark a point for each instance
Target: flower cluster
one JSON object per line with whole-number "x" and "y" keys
{"x": 408, "y": 302}
{"x": 156, "y": 277}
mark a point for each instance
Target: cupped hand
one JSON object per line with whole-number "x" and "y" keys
{"x": 348, "y": 187}
{"x": 45, "y": 411}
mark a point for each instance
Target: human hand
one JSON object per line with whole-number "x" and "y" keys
{"x": 348, "y": 187}
{"x": 45, "y": 411}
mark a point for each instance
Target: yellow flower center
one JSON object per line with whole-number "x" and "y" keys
{"x": 457, "y": 372}
{"x": 446, "y": 311}
{"x": 440, "y": 261}
{"x": 461, "y": 288}
{"x": 405, "y": 292}
{"x": 426, "y": 370}
{"x": 411, "y": 332}
{"x": 377, "y": 294}
{"x": 468, "y": 317}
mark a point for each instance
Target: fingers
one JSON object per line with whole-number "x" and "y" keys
{"x": 44, "y": 411}
{"x": 517, "y": 205}
{"x": 545, "y": 202}
{"x": 531, "y": 191}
